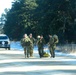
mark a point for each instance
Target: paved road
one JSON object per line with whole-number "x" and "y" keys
{"x": 12, "y": 62}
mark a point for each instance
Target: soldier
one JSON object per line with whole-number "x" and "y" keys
{"x": 51, "y": 41}
{"x": 40, "y": 43}
{"x": 26, "y": 42}
{"x": 32, "y": 45}
{"x": 52, "y": 44}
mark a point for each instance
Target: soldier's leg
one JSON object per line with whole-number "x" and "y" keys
{"x": 28, "y": 51}
{"x": 31, "y": 52}
{"x": 39, "y": 50}
{"x": 25, "y": 52}
{"x": 53, "y": 52}
{"x": 42, "y": 52}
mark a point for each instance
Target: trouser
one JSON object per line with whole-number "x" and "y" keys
{"x": 31, "y": 51}
{"x": 41, "y": 52}
{"x": 52, "y": 51}
{"x": 26, "y": 51}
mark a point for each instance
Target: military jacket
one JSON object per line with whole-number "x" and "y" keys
{"x": 51, "y": 41}
{"x": 41, "y": 42}
{"x": 25, "y": 42}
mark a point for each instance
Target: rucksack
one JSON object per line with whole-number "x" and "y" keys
{"x": 55, "y": 39}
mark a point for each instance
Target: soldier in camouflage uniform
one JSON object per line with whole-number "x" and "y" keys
{"x": 51, "y": 41}
{"x": 40, "y": 43}
{"x": 26, "y": 42}
{"x": 52, "y": 44}
{"x": 32, "y": 45}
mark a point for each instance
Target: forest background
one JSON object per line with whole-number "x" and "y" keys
{"x": 41, "y": 17}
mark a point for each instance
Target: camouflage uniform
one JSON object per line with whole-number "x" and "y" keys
{"x": 52, "y": 45}
{"x": 51, "y": 41}
{"x": 26, "y": 42}
{"x": 31, "y": 46}
{"x": 40, "y": 43}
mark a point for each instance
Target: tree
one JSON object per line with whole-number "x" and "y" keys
{"x": 19, "y": 18}
{"x": 42, "y": 17}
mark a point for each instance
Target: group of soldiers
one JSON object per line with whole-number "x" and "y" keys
{"x": 27, "y": 43}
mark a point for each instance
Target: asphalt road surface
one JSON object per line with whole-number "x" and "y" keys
{"x": 12, "y": 62}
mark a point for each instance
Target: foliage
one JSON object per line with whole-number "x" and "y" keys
{"x": 42, "y": 17}
{"x": 18, "y": 18}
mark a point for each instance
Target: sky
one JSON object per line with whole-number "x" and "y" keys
{"x": 5, "y": 4}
